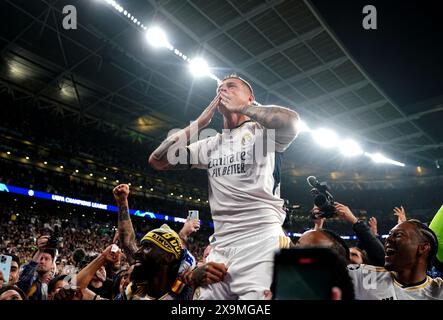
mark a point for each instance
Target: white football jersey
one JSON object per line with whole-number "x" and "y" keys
{"x": 244, "y": 187}
{"x": 377, "y": 283}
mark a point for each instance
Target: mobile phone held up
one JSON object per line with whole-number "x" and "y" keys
{"x": 193, "y": 214}
{"x": 303, "y": 274}
{"x": 5, "y": 266}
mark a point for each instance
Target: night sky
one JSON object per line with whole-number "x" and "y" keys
{"x": 404, "y": 55}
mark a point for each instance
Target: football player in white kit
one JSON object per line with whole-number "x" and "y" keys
{"x": 410, "y": 250}
{"x": 243, "y": 164}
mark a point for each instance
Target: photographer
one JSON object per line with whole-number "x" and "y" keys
{"x": 33, "y": 278}
{"x": 368, "y": 242}
{"x": 326, "y": 207}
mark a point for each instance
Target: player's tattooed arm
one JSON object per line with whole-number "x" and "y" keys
{"x": 284, "y": 121}
{"x": 126, "y": 233}
{"x": 175, "y": 144}
{"x": 125, "y": 228}
{"x": 159, "y": 158}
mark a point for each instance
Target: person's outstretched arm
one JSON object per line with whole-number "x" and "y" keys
{"x": 368, "y": 241}
{"x": 125, "y": 228}
{"x": 85, "y": 275}
{"x": 175, "y": 144}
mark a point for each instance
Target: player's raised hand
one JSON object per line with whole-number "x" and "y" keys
{"x": 121, "y": 193}
{"x": 206, "y": 116}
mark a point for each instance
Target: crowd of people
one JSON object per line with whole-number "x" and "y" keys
{"x": 73, "y": 254}
{"x": 82, "y": 265}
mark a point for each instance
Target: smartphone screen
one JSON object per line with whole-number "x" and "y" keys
{"x": 5, "y": 267}
{"x": 303, "y": 274}
{"x": 193, "y": 214}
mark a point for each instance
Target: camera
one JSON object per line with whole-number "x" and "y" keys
{"x": 55, "y": 239}
{"x": 323, "y": 199}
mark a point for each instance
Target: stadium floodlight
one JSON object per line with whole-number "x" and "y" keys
{"x": 199, "y": 67}
{"x": 325, "y": 138}
{"x": 379, "y": 158}
{"x": 303, "y": 126}
{"x": 350, "y": 148}
{"x": 157, "y": 38}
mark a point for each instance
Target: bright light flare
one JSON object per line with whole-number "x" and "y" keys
{"x": 325, "y": 138}
{"x": 199, "y": 67}
{"x": 379, "y": 158}
{"x": 303, "y": 127}
{"x": 350, "y": 148}
{"x": 157, "y": 38}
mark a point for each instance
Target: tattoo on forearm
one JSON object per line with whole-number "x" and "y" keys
{"x": 126, "y": 232}
{"x": 123, "y": 213}
{"x": 198, "y": 275}
{"x": 270, "y": 117}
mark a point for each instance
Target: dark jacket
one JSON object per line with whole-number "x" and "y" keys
{"x": 370, "y": 243}
{"x": 30, "y": 283}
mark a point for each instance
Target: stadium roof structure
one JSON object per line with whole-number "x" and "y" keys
{"x": 106, "y": 75}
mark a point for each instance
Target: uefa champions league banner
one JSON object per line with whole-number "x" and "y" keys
{"x": 85, "y": 203}
{"x": 94, "y": 205}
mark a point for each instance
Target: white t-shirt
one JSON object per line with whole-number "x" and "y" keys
{"x": 377, "y": 283}
{"x": 244, "y": 187}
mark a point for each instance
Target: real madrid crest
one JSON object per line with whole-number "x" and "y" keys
{"x": 247, "y": 139}
{"x": 196, "y": 294}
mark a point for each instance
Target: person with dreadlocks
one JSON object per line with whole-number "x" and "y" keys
{"x": 162, "y": 267}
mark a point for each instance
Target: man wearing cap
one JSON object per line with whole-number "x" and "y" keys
{"x": 32, "y": 278}
{"x": 155, "y": 274}
{"x": 163, "y": 268}
{"x": 243, "y": 165}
